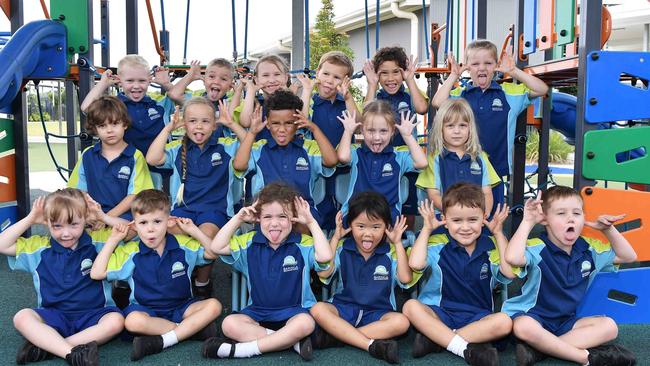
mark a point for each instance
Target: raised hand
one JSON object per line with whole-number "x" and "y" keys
{"x": 225, "y": 118}
{"x": 257, "y": 125}
{"x": 195, "y": 70}
{"x": 340, "y": 231}
{"x": 604, "y": 222}
{"x": 507, "y": 62}
{"x": 248, "y": 213}
{"x": 38, "y": 210}
{"x": 306, "y": 82}
{"x": 161, "y": 76}
{"x": 349, "y": 121}
{"x": 500, "y": 215}
{"x": 454, "y": 67}
{"x": 344, "y": 87}
{"x": 108, "y": 79}
{"x": 428, "y": 212}
{"x": 251, "y": 86}
{"x": 177, "y": 119}
{"x": 118, "y": 233}
{"x": 302, "y": 121}
{"x": 407, "y": 124}
{"x": 411, "y": 68}
{"x": 303, "y": 212}
{"x": 394, "y": 235}
{"x": 533, "y": 212}
{"x": 186, "y": 224}
{"x": 369, "y": 71}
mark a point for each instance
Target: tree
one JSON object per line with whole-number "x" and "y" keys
{"x": 325, "y": 38}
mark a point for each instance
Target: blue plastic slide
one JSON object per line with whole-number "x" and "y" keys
{"x": 563, "y": 115}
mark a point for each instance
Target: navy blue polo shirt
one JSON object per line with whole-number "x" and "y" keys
{"x": 368, "y": 283}
{"x": 459, "y": 281}
{"x": 160, "y": 282}
{"x": 61, "y": 275}
{"x": 556, "y": 282}
{"x": 324, "y": 114}
{"x": 447, "y": 168}
{"x": 400, "y": 101}
{"x": 109, "y": 183}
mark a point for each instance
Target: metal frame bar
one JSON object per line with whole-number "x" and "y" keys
{"x": 105, "y": 33}
{"x": 87, "y": 77}
{"x": 131, "y": 26}
{"x": 297, "y": 34}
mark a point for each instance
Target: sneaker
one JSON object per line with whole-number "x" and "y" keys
{"x": 422, "y": 346}
{"x": 145, "y": 346}
{"x": 321, "y": 339}
{"x": 30, "y": 353}
{"x": 306, "y": 351}
{"x": 209, "y": 331}
{"x": 84, "y": 355}
{"x": 211, "y": 346}
{"x": 525, "y": 355}
{"x": 120, "y": 293}
{"x": 385, "y": 349}
{"x": 481, "y": 354}
{"x": 611, "y": 355}
{"x": 202, "y": 292}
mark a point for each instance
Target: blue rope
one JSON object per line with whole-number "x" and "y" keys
{"x": 234, "y": 33}
{"x": 367, "y": 34}
{"x": 187, "y": 25}
{"x": 377, "y": 26}
{"x": 448, "y": 27}
{"x": 162, "y": 13}
{"x": 473, "y": 17}
{"x": 306, "y": 34}
{"x": 246, "y": 33}
{"x": 426, "y": 29}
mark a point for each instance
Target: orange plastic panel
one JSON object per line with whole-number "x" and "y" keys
{"x": 546, "y": 24}
{"x": 634, "y": 204}
{"x": 8, "y": 178}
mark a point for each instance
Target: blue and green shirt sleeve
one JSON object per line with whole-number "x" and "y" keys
{"x": 490, "y": 176}
{"x": 78, "y": 175}
{"x": 140, "y": 177}
{"x": 603, "y": 256}
{"x": 316, "y": 160}
{"x": 121, "y": 265}
{"x": 28, "y": 253}
{"x": 194, "y": 251}
{"x": 404, "y": 159}
{"x": 238, "y": 246}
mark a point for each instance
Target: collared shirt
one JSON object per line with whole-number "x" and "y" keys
{"x": 447, "y": 168}
{"x": 556, "y": 282}
{"x": 324, "y": 114}
{"x": 210, "y": 181}
{"x": 380, "y": 172}
{"x": 458, "y": 281}
{"x": 157, "y": 281}
{"x": 400, "y": 102}
{"x": 496, "y": 110}
{"x": 265, "y": 134}
{"x": 109, "y": 182}
{"x": 61, "y": 275}
{"x": 370, "y": 283}
{"x": 277, "y": 278}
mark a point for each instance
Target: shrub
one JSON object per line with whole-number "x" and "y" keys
{"x": 559, "y": 150}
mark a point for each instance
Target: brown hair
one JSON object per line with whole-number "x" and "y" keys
{"x": 379, "y": 108}
{"x": 150, "y": 200}
{"x": 106, "y": 108}
{"x": 64, "y": 204}
{"x": 279, "y": 192}
{"x": 482, "y": 44}
{"x": 337, "y": 58}
{"x": 556, "y": 193}
{"x": 465, "y": 195}
{"x": 384, "y": 54}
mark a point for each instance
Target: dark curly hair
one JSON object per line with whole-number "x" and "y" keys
{"x": 396, "y": 54}
{"x": 279, "y": 192}
{"x": 282, "y": 100}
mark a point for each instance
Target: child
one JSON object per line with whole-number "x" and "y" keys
{"x": 495, "y": 106}
{"x": 203, "y": 183}
{"x": 455, "y": 155}
{"x": 559, "y": 265}
{"x": 376, "y": 165}
{"x": 112, "y": 171}
{"x": 158, "y": 266}
{"x": 455, "y": 309}
{"x": 74, "y": 312}
{"x": 286, "y": 157}
{"x": 368, "y": 265}
{"x": 148, "y": 117}
{"x": 275, "y": 259}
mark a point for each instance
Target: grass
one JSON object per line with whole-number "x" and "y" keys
{"x": 39, "y": 157}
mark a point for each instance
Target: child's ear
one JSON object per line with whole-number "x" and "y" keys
{"x": 171, "y": 221}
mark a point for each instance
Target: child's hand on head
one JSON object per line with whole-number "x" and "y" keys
{"x": 248, "y": 213}
{"x": 349, "y": 120}
{"x": 507, "y": 62}
{"x": 411, "y": 68}
{"x": 533, "y": 212}
{"x": 306, "y": 82}
{"x": 369, "y": 71}
{"x": 604, "y": 222}
{"x": 394, "y": 234}
{"x": 186, "y": 224}
{"x": 454, "y": 67}
{"x": 118, "y": 233}
{"x": 257, "y": 125}
{"x": 251, "y": 86}
{"x": 38, "y": 211}
{"x": 238, "y": 85}
{"x": 177, "y": 119}
{"x": 407, "y": 124}
{"x": 302, "y": 121}
{"x": 108, "y": 78}
{"x": 344, "y": 87}
{"x": 428, "y": 212}
{"x": 500, "y": 215}
{"x": 340, "y": 231}
{"x": 303, "y": 212}
{"x": 195, "y": 70}
{"x": 161, "y": 76}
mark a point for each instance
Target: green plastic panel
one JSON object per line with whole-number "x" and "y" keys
{"x": 602, "y": 146}
{"x": 6, "y": 135}
{"x": 74, "y": 15}
{"x": 565, "y": 15}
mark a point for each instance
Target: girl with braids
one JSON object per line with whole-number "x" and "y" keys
{"x": 203, "y": 183}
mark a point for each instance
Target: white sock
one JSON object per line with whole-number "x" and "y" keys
{"x": 296, "y": 347}
{"x": 169, "y": 339}
{"x": 369, "y": 343}
{"x": 457, "y": 346}
{"x": 587, "y": 364}
{"x": 269, "y": 331}
{"x": 242, "y": 350}
{"x": 201, "y": 284}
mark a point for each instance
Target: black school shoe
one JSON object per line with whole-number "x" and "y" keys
{"x": 385, "y": 349}
{"x": 84, "y": 355}
{"x": 481, "y": 354}
{"x": 120, "y": 291}
{"x": 422, "y": 346}
{"x": 611, "y": 355}
{"x": 306, "y": 350}
{"x": 145, "y": 346}
{"x": 322, "y": 340}
{"x": 30, "y": 353}
{"x": 211, "y": 346}
{"x": 525, "y": 355}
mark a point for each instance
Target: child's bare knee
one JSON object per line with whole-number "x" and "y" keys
{"x": 611, "y": 328}
{"x": 410, "y": 307}
{"x": 304, "y": 323}
{"x": 213, "y": 307}
{"x": 135, "y": 322}
{"x": 524, "y": 328}
{"x": 230, "y": 327}
{"x": 113, "y": 323}
{"x": 22, "y": 318}
{"x": 318, "y": 310}
{"x": 503, "y": 324}
{"x": 400, "y": 323}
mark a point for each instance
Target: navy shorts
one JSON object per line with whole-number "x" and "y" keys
{"x": 357, "y": 316}
{"x": 264, "y": 315}
{"x": 216, "y": 217}
{"x": 172, "y": 314}
{"x": 458, "y": 319}
{"x": 556, "y": 326}
{"x": 67, "y": 324}
{"x": 410, "y": 206}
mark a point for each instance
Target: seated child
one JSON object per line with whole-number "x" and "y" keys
{"x": 559, "y": 265}
{"x": 162, "y": 311}
{"x": 112, "y": 171}
{"x": 276, "y": 260}
{"x": 286, "y": 157}
{"x": 74, "y": 312}
{"x": 454, "y": 309}
{"x": 367, "y": 265}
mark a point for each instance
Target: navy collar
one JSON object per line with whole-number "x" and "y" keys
{"x": 259, "y": 238}
{"x": 483, "y": 244}
{"x": 383, "y": 93}
{"x": 129, "y": 150}
{"x": 318, "y": 100}
{"x": 350, "y": 245}
{"x": 297, "y": 140}
{"x": 493, "y": 85}
{"x": 445, "y": 154}
{"x": 213, "y": 140}
{"x": 126, "y": 100}
{"x": 216, "y": 103}
{"x": 170, "y": 244}
{"x": 84, "y": 240}
{"x": 578, "y": 247}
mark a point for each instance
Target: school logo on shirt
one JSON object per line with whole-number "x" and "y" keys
{"x": 86, "y": 265}
{"x": 216, "y": 159}
{"x": 586, "y": 269}
{"x": 497, "y": 105}
{"x": 289, "y": 264}
{"x": 124, "y": 173}
{"x": 484, "y": 271}
{"x": 153, "y": 113}
{"x": 475, "y": 168}
{"x": 178, "y": 269}
{"x": 301, "y": 164}
{"x": 381, "y": 274}
{"x": 387, "y": 170}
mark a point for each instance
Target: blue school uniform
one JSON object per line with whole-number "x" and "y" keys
{"x": 447, "y": 168}
{"x": 277, "y": 279}
{"x": 400, "y": 102}
{"x": 265, "y": 134}
{"x": 109, "y": 182}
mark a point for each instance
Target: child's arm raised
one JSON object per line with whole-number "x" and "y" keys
{"x": 489, "y": 199}
{"x": 235, "y": 100}
{"x": 245, "y": 118}
{"x": 394, "y": 235}
{"x": 339, "y": 233}
{"x": 106, "y": 81}
{"x": 350, "y": 103}
{"x": 350, "y": 124}
{"x": 307, "y": 90}
{"x": 445, "y": 89}
{"x": 496, "y": 228}
{"x": 9, "y": 237}
{"x": 621, "y": 247}
{"x": 507, "y": 65}
{"x": 435, "y": 197}
{"x": 177, "y": 92}
{"x": 405, "y": 129}
{"x": 418, "y": 256}
{"x": 419, "y": 102}
{"x": 161, "y": 77}
{"x": 516, "y": 250}
{"x": 100, "y": 266}
{"x": 328, "y": 154}
{"x": 322, "y": 250}
{"x": 221, "y": 243}
{"x": 372, "y": 79}
{"x": 225, "y": 118}
{"x": 189, "y": 227}
{"x": 156, "y": 154}
{"x": 240, "y": 162}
